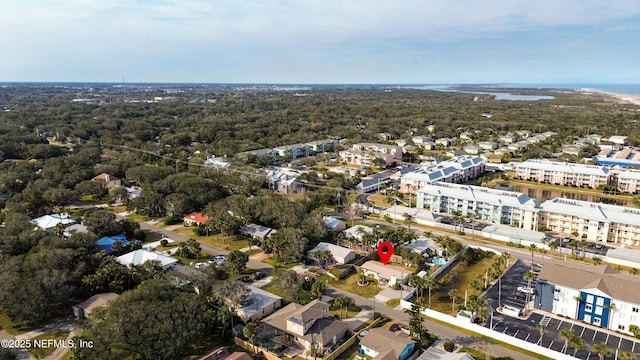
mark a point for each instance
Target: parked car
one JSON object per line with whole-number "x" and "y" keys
{"x": 519, "y": 295}
{"x": 599, "y": 246}
{"x": 246, "y": 279}
{"x": 526, "y": 290}
{"x": 566, "y": 240}
{"x": 201, "y": 265}
{"x": 394, "y": 327}
{"x": 257, "y": 275}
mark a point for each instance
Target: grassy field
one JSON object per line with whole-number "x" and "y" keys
{"x": 220, "y": 241}
{"x": 440, "y": 300}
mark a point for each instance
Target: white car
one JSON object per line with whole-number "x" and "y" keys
{"x": 218, "y": 260}
{"x": 201, "y": 265}
{"x": 526, "y": 290}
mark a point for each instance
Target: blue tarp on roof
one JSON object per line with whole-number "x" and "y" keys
{"x": 106, "y": 243}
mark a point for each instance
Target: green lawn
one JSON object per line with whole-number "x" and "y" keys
{"x": 304, "y": 296}
{"x": 41, "y": 353}
{"x": 350, "y": 284}
{"x": 272, "y": 261}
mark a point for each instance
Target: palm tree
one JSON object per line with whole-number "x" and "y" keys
{"x": 454, "y": 294}
{"x": 626, "y": 356}
{"x": 574, "y": 245}
{"x": 419, "y": 283}
{"x": 223, "y": 317}
{"x": 505, "y": 256}
{"x": 602, "y": 350}
{"x": 583, "y": 244}
{"x": 532, "y": 248}
{"x": 250, "y": 331}
{"x": 541, "y": 328}
{"x": 408, "y": 219}
{"x": 567, "y": 335}
{"x": 529, "y": 276}
{"x": 578, "y": 300}
{"x": 553, "y": 246}
{"x": 577, "y": 343}
{"x": 317, "y": 289}
{"x": 597, "y": 260}
{"x": 323, "y": 256}
{"x": 343, "y": 302}
{"x": 430, "y": 283}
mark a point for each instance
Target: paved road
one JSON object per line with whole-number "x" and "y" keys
{"x": 22, "y": 354}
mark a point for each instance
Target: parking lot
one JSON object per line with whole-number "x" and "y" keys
{"x": 527, "y": 329}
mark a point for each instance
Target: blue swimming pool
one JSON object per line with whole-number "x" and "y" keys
{"x": 439, "y": 261}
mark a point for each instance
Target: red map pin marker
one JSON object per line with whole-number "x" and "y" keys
{"x": 385, "y": 250}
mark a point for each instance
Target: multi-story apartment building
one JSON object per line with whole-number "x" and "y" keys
{"x": 455, "y": 170}
{"x": 394, "y": 150}
{"x": 597, "y": 295}
{"x": 498, "y": 206}
{"x": 592, "y": 221}
{"x": 562, "y": 173}
{"x": 365, "y": 153}
{"x": 629, "y": 181}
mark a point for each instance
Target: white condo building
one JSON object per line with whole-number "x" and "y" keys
{"x": 592, "y": 221}
{"x": 498, "y": 206}
{"x": 562, "y": 173}
{"x": 629, "y": 181}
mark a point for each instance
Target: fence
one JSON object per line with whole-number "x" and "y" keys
{"x": 247, "y": 346}
{"x": 483, "y": 331}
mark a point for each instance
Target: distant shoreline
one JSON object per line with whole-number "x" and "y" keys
{"x": 625, "y": 98}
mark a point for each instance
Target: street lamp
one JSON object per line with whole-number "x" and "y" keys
{"x": 491, "y": 323}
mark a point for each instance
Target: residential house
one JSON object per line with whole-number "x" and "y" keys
{"x": 358, "y": 232}
{"x": 592, "y": 221}
{"x": 257, "y": 232}
{"x": 140, "y": 256}
{"x": 472, "y": 149}
{"x": 134, "y": 192}
{"x": 523, "y": 133}
{"x": 194, "y": 219}
{"x": 334, "y": 224}
{"x": 420, "y": 139}
{"x": 487, "y": 145}
{"x": 506, "y": 139}
{"x": 82, "y": 310}
{"x": 283, "y": 180}
{"x": 75, "y": 229}
{"x": 401, "y": 142}
{"x": 385, "y": 136}
{"x": 305, "y": 326}
{"x": 620, "y": 140}
{"x": 388, "y": 274}
{"x": 444, "y": 142}
{"x": 597, "y": 295}
{"x": 563, "y": 173}
{"x": 423, "y": 246}
{"x": 258, "y": 304}
{"x": 49, "y": 222}
{"x": 217, "y": 162}
{"x": 110, "y": 181}
{"x": 339, "y": 254}
{"x": 106, "y": 243}
{"x": 380, "y": 343}
{"x": 497, "y": 206}
{"x": 429, "y": 145}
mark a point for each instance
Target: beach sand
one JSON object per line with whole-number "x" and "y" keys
{"x": 625, "y": 99}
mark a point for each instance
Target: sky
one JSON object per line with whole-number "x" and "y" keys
{"x": 321, "y": 41}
